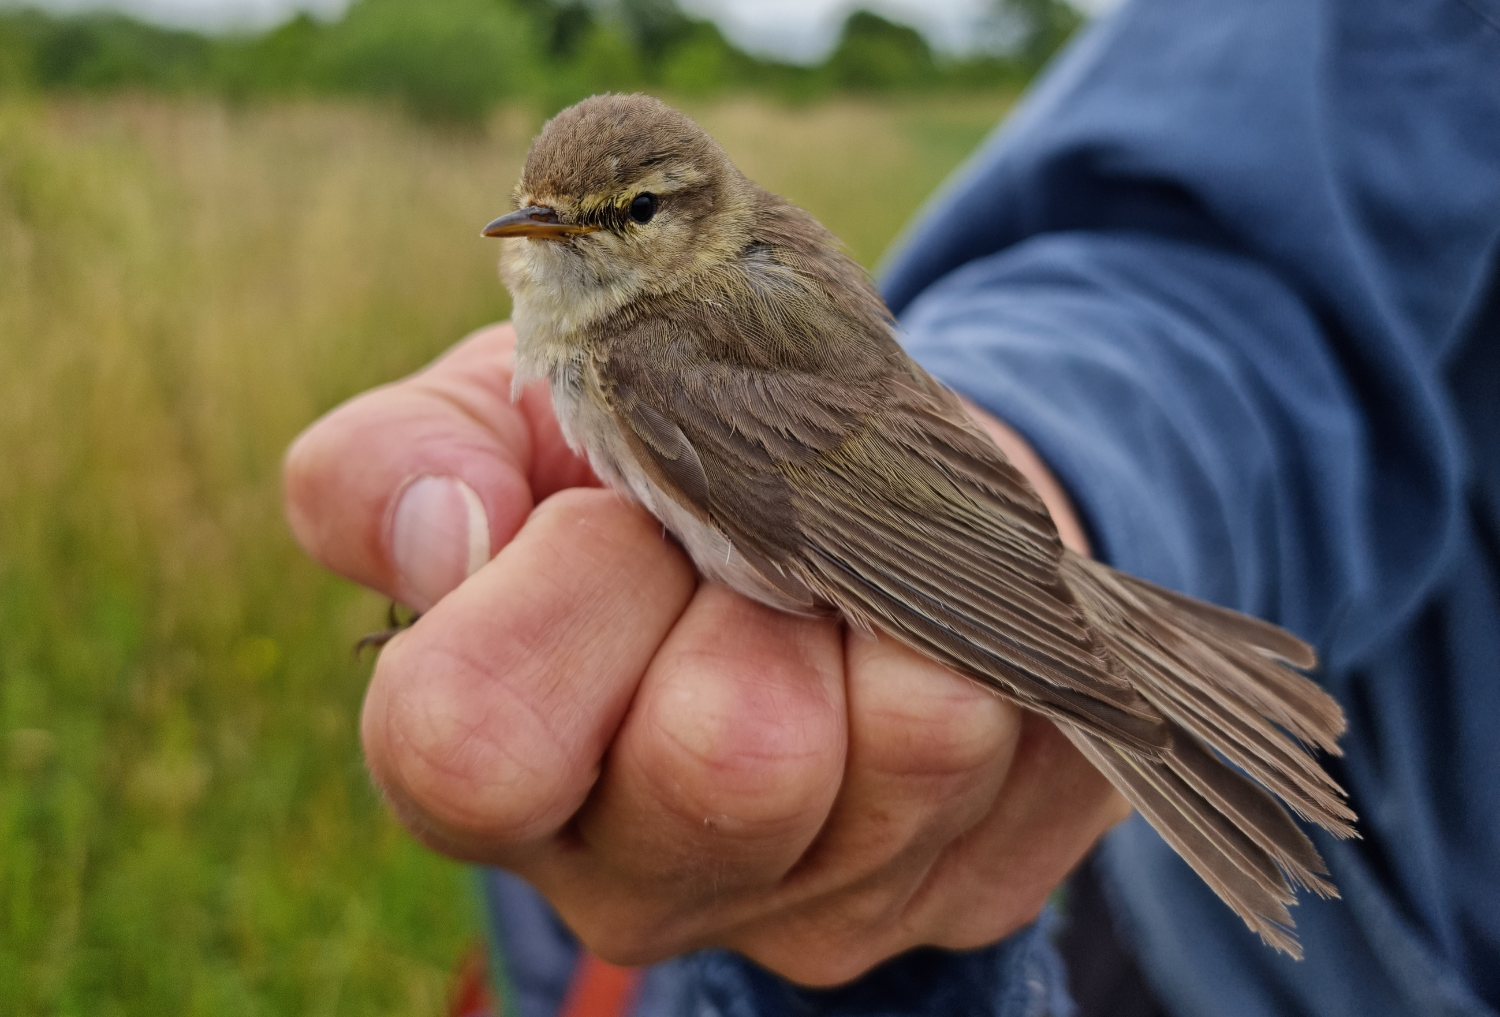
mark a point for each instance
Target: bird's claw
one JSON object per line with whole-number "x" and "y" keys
{"x": 394, "y": 627}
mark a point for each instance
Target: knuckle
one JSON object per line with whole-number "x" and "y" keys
{"x": 614, "y": 535}
{"x": 574, "y": 506}
{"x": 744, "y": 753}
{"x": 946, "y": 731}
{"x": 577, "y": 515}
{"x": 465, "y": 750}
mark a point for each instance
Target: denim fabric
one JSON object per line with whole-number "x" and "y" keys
{"x": 1021, "y": 977}
{"x": 537, "y": 950}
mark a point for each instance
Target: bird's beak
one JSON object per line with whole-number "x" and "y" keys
{"x": 534, "y": 221}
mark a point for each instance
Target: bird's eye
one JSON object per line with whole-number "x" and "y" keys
{"x": 643, "y": 207}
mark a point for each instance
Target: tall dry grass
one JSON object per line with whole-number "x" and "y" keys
{"x": 185, "y": 824}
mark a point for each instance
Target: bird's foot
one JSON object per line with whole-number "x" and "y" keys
{"x": 394, "y": 627}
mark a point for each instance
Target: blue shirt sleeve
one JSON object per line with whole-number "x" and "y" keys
{"x": 1212, "y": 268}
{"x": 1227, "y": 269}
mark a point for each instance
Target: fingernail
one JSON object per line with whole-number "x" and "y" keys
{"x": 439, "y": 538}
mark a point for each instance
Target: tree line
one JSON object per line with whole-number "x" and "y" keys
{"x": 456, "y": 59}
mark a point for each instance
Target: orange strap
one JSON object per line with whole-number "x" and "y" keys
{"x": 600, "y": 989}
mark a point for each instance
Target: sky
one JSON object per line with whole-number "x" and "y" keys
{"x": 808, "y": 29}
{"x": 788, "y": 29}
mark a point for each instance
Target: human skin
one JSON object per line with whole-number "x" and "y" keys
{"x": 672, "y": 765}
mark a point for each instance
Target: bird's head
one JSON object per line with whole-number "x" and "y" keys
{"x": 621, "y": 196}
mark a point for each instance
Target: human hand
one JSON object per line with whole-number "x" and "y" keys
{"x": 673, "y": 766}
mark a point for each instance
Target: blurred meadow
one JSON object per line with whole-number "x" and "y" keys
{"x": 187, "y": 278}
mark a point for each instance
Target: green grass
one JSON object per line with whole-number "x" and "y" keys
{"x": 186, "y": 826}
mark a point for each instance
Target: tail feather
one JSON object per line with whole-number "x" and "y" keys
{"x": 1263, "y": 910}
{"x": 1214, "y": 675}
{"x": 1241, "y": 628}
{"x": 1226, "y": 724}
{"x": 1179, "y": 673}
{"x": 1252, "y": 645}
{"x": 1255, "y": 812}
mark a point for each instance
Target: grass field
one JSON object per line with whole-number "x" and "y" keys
{"x": 185, "y": 823}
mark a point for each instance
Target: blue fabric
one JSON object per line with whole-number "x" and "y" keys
{"x": 535, "y": 947}
{"x": 1232, "y": 269}
{"x": 1021, "y": 977}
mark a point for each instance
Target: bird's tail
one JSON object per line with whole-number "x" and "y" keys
{"x": 1220, "y": 679}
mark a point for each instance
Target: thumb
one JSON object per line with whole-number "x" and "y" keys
{"x": 410, "y": 487}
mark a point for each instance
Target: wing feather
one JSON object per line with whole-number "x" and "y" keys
{"x": 877, "y": 495}
{"x": 984, "y": 592}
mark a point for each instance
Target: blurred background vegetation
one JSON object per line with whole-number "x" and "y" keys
{"x": 458, "y": 59}
{"x": 205, "y": 242}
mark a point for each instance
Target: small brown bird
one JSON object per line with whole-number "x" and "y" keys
{"x": 715, "y": 354}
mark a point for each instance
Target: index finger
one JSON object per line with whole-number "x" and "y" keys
{"x": 410, "y": 487}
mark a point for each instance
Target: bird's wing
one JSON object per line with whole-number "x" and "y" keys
{"x": 890, "y": 505}
{"x": 887, "y": 504}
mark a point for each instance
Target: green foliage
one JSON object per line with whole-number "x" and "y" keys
{"x": 457, "y": 60}
{"x": 655, "y": 26}
{"x": 276, "y": 62}
{"x": 16, "y": 71}
{"x": 185, "y": 826}
{"x": 1044, "y": 26}
{"x": 446, "y": 58}
{"x": 876, "y": 54}
{"x": 98, "y": 52}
